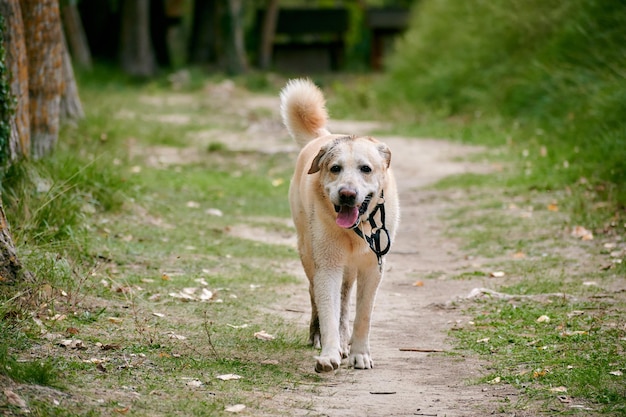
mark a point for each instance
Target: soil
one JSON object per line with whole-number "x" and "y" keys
{"x": 414, "y": 309}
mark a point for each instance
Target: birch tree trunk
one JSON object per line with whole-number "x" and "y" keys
{"x": 42, "y": 29}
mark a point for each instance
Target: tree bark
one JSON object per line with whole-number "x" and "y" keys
{"x": 235, "y": 50}
{"x": 10, "y": 266}
{"x": 13, "y": 48}
{"x": 16, "y": 62}
{"x": 42, "y": 29}
{"x": 268, "y": 32}
{"x": 75, "y": 35}
{"x": 71, "y": 107}
{"x": 136, "y": 52}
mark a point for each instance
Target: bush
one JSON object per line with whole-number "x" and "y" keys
{"x": 554, "y": 68}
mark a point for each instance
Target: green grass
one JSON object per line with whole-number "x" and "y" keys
{"x": 109, "y": 231}
{"x": 577, "y": 349}
{"x": 540, "y": 79}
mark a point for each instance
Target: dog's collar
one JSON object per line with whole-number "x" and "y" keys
{"x": 373, "y": 239}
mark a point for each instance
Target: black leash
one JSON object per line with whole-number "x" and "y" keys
{"x": 373, "y": 240}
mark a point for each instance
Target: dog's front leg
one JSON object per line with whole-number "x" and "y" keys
{"x": 368, "y": 280}
{"x": 328, "y": 301}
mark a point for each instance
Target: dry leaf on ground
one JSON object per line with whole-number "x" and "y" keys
{"x": 228, "y": 377}
{"x": 235, "y": 408}
{"x": 263, "y": 335}
{"x": 543, "y": 319}
{"x": 14, "y": 399}
{"x": 496, "y": 380}
{"x": 582, "y": 233}
{"x": 72, "y": 344}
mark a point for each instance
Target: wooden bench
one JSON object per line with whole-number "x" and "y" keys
{"x": 309, "y": 39}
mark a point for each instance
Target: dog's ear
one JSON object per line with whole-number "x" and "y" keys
{"x": 385, "y": 152}
{"x": 315, "y": 165}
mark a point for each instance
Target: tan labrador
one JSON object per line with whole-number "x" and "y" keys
{"x": 345, "y": 208}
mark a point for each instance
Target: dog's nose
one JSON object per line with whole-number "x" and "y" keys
{"x": 347, "y": 196}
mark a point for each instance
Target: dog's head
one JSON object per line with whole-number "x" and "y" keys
{"x": 352, "y": 172}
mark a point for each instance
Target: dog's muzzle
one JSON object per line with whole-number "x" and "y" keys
{"x": 348, "y": 213}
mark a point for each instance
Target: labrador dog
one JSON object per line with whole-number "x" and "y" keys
{"x": 344, "y": 205}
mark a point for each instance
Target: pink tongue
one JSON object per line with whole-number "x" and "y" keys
{"x": 347, "y": 216}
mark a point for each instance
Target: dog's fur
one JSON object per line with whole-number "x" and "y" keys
{"x": 334, "y": 178}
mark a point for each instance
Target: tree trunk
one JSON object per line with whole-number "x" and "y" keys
{"x": 75, "y": 35}
{"x": 71, "y": 107}
{"x": 203, "y": 40}
{"x": 137, "y": 54}
{"x": 42, "y": 29}
{"x": 10, "y": 35}
{"x": 17, "y": 66}
{"x": 10, "y": 266}
{"x": 234, "y": 48}
{"x": 268, "y": 31}
{"x": 159, "y": 23}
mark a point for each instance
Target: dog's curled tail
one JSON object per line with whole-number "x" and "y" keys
{"x": 303, "y": 109}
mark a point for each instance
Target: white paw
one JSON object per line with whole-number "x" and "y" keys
{"x": 360, "y": 361}
{"x": 327, "y": 363}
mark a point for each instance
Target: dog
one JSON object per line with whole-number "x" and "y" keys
{"x": 345, "y": 208}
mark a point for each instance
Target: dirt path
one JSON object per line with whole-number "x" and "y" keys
{"x": 407, "y": 316}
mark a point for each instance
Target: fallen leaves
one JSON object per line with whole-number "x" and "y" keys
{"x": 14, "y": 399}
{"x": 263, "y": 335}
{"x": 228, "y": 377}
{"x": 189, "y": 294}
{"x": 76, "y": 344}
{"x": 237, "y": 408}
{"x": 494, "y": 381}
{"x": 543, "y": 319}
{"x": 581, "y": 233}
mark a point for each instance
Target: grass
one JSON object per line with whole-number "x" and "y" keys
{"x": 577, "y": 358}
{"x": 537, "y": 83}
{"x": 108, "y": 226}
{"x": 573, "y": 354}
{"x": 538, "y": 78}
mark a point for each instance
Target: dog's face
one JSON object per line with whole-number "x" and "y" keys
{"x": 352, "y": 172}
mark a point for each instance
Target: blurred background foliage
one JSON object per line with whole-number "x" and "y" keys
{"x": 551, "y": 76}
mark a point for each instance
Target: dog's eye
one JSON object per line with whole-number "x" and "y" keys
{"x": 366, "y": 169}
{"x": 335, "y": 169}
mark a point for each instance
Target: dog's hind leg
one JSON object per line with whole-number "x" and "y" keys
{"x": 368, "y": 280}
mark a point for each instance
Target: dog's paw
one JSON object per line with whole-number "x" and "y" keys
{"x": 327, "y": 363}
{"x": 360, "y": 361}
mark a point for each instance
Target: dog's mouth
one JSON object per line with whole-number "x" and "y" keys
{"x": 348, "y": 216}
